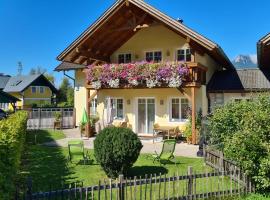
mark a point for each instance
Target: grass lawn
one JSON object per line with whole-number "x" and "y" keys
{"x": 49, "y": 168}
{"x": 46, "y": 135}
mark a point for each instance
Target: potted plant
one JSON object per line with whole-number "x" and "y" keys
{"x": 57, "y": 120}
{"x": 93, "y": 120}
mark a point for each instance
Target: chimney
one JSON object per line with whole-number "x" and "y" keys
{"x": 180, "y": 20}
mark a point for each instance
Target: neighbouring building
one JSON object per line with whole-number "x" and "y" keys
{"x": 31, "y": 90}
{"x": 132, "y": 31}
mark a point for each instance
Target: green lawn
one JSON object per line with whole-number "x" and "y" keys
{"x": 49, "y": 168}
{"x": 42, "y": 136}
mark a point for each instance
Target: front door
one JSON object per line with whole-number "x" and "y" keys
{"x": 146, "y": 115}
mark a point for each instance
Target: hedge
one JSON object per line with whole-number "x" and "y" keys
{"x": 12, "y": 138}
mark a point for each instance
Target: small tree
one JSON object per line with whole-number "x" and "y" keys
{"x": 242, "y": 131}
{"x": 116, "y": 149}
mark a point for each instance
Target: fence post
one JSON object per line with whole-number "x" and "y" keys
{"x": 29, "y": 189}
{"x": 204, "y": 153}
{"x": 121, "y": 187}
{"x": 190, "y": 182}
{"x": 221, "y": 162}
{"x": 39, "y": 117}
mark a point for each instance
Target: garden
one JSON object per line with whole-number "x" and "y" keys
{"x": 239, "y": 129}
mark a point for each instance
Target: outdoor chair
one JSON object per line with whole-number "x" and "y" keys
{"x": 76, "y": 148}
{"x": 167, "y": 152}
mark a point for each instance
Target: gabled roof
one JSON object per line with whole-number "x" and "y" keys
{"x": 107, "y": 34}
{"x": 240, "y": 80}
{"x": 3, "y": 81}
{"x": 263, "y": 51}
{"x": 7, "y": 98}
{"x": 20, "y": 83}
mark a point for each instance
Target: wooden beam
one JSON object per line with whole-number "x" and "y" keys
{"x": 88, "y": 126}
{"x": 193, "y": 115}
{"x": 184, "y": 93}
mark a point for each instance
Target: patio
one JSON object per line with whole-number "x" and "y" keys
{"x": 181, "y": 149}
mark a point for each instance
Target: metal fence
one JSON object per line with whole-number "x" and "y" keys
{"x": 183, "y": 187}
{"x": 40, "y": 118}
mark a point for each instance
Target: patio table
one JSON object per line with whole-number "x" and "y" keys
{"x": 166, "y": 129}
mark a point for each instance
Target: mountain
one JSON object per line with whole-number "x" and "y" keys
{"x": 245, "y": 61}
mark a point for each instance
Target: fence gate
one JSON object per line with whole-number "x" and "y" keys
{"x": 41, "y": 118}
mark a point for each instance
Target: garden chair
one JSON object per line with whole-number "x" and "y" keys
{"x": 167, "y": 152}
{"x": 76, "y": 148}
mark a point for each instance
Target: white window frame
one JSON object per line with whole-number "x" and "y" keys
{"x": 180, "y": 113}
{"x": 40, "y": 89}
{"x": 115, "y": 99}
{"x": 185, "y": 55}
{"x": 153, "y": 52}
{"x": 125, "y": 58}
{"x": 32, "y": 89}
{"x": 94, "y": 107}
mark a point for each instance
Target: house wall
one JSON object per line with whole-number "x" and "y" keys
{"x": 162, "y": 111}
{"x": 227, "y": 97}
{"x": 79, "y": 95}
{"x": 160, "y": 38}
{"x": 156, "y": 38}
{"x": 28, "y": 98}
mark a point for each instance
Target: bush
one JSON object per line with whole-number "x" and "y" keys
{"x": 12, "y": 137}
{"x": 116, "y": 149}
{"x": 242, "y": 131}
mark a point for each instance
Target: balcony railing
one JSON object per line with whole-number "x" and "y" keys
{"x": 145, "y": 75}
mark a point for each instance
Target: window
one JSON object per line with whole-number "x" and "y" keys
{"x": 184, "y": 55}
{"x": 33, "y": 89}
{"x": 179, "y": 109}
{"x": 124, "y": 58}
{"x": 93, "y": 107}
{"x": 155, "y": 56}
{"x": 41, "y": 89}
{"x": 117, "y": 111}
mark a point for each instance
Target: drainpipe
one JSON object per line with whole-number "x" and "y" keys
{"x": 73, "y": 79}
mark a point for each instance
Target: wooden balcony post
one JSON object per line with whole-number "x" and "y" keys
{"x": 88, "y": 126}
{"x": 193, "y": 115}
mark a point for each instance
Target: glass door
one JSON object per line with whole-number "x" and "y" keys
{"x": 146, "y": 115}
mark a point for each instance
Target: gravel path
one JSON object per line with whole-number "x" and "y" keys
{"x": 181, "y": 149}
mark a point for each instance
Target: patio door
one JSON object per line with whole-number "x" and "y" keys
{"x": 146, "y": 115}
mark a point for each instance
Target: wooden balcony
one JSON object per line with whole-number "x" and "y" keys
{"x": 195, "y": 78}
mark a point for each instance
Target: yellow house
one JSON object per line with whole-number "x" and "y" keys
{"x": 31, "y": 90}
{"x": 131, "y": 31}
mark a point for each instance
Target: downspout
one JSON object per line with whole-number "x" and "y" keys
{"x": 73, "y": 79}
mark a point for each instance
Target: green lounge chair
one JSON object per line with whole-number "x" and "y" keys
{"x": 76, "y": 148}
{"x": 167, "y": 151}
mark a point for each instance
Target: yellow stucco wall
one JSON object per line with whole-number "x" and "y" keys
{"x": 79, "y": 95}
{"x": 156, "y": 38}
{"x": 28, "y": 93}
{"x": 162, "y": 111}
{"x": 28, "y": 98}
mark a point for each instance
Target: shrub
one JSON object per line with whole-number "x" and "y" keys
{"x": 242, "y": 131}
{"x": 116, "y": 149}
{"x": 12, "y": 137}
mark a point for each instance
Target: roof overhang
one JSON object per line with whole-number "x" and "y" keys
{"x": 7, "y": 98}
{"x": 116, "y": 26}
{"x": 263, "y": 51}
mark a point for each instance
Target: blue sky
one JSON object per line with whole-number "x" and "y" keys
{"x": 35, "y": 32}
